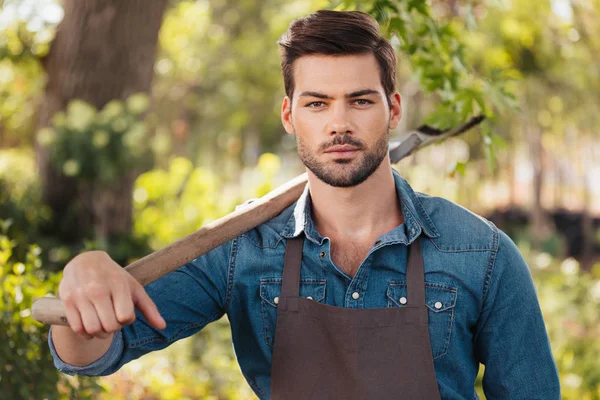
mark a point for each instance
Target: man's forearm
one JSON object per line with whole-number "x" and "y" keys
{"x": 75, "y": 350}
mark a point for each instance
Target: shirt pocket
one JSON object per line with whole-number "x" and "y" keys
{"x": 270, "y": 290}
{"x": 440, "y": 299}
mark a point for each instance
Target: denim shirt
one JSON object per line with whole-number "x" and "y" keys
{"x": 479, "y": 292}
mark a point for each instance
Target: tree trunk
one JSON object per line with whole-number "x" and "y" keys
{"x": 540, "y": 226}
{"x": 103, "y": 50}
{"x": 587, "y": 222}
{"x": 539, "y": 223}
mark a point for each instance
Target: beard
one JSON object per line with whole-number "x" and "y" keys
{"x": 345, "y": 172}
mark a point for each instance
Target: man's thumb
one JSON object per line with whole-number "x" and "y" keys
{"x": 144, "y": 303}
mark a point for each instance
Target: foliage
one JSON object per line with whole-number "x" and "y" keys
{"x": 218, "y": 82}
{"x": 173, "y": 202}
{"x": 436, "y": 53}
{"x": 99, "y": 146}
{"x": 30, "y": 219}
{"x": 186, "y": 194}
{"x": 25, "y": 31}
{"x": 550, "y": 56}
{"x": 27, "y": 368}
{"x": 570, "y": 299}
{"x": 100, "y": 149}
{"x": 20, "y": 200}
{"x": 25, "y": 37}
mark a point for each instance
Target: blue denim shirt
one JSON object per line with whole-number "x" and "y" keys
{"x": 489, "y": 310}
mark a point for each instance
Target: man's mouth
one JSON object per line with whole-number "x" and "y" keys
{"x": 342, "y": 150}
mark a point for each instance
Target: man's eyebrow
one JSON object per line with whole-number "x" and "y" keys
{"x": 315, "y": 94}
{"x": 363, "y": 92}
{"x": 358, "y": 93}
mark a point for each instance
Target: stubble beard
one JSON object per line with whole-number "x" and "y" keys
{"x": 345, "y": 172}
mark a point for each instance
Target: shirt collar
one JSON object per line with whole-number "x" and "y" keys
{"x": 416, "y": 219}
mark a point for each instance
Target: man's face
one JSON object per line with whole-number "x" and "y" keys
{"x": 340, "y": 117}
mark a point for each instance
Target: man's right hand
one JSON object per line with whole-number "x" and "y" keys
{"x": 99, "y": 296}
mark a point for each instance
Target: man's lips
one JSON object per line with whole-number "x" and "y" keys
{"x": 341, "y": 150}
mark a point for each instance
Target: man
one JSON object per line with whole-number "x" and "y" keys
{"x": 362, "y": 289}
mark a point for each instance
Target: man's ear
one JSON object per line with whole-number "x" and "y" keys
{"x": 396, "y": 110}
{"x": 286, "y": 115}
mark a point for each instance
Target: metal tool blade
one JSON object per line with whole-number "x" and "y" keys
{"x": 412, "y": 141}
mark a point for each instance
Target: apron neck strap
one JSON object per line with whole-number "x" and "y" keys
{"x": 292, "y": 263}
{"x": 415, "y": 275}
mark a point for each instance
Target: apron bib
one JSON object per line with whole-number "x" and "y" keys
{"x": 328, "y": 352}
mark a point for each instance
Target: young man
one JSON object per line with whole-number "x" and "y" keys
{"x": 362, "y": 289}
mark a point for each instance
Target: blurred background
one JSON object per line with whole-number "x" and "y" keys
{"x": 126, "y": 125}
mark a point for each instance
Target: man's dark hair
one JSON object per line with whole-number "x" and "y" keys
{"x": 337, "y": 33}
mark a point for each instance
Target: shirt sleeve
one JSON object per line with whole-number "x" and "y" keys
{"x": 188, "y": 298}
{"x": 511, "y": 338}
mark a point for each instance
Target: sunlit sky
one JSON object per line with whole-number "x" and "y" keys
{"x": 562, "y": 8}
{"x": 38, "y": 13}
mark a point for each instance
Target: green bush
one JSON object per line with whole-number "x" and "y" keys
{"x": 26, "y": 367}
{"x": 20, "y": 199}
{"x": 570, "y": 300}
{"x": 99, "y": 146}
{"x": 33, "y": 222}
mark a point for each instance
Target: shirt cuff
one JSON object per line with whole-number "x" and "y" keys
{"x": 108, "y": 360}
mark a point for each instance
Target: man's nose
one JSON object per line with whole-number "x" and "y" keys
{"x": 339, "y": 122}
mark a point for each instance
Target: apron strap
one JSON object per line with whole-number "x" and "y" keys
{"x": 415, "y": 275}
{"x": 292, "y": 262}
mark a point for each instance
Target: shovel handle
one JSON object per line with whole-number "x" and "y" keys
{"x": 50, "y": 310}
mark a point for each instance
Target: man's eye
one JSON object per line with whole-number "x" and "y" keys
{"x": 363, "y": 102}
{"x": 315, "y": 104}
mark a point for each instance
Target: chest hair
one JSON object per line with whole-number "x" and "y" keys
{"x": 348, "y": 255}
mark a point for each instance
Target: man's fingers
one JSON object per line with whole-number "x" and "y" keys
{"x": 144, "y": 303}
{"x": 106, "y": 314}
{"x": 123, "y": 303}
{"x": 90, "y": 319}
{"x": 74, "y": 318}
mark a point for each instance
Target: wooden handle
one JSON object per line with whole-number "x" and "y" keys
{"x": 50, "y": 310}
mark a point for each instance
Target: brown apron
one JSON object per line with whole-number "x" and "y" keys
{"x": 328, "y": 352}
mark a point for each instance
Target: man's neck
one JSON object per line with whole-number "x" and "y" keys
{"x": 360, "y": 213}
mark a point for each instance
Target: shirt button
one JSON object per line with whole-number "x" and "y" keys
{"x": 322, "y": 254}
{"x": 276, "y": 300}
{"x": 412, "y": 231}
{"x": 402, "y": 300}
{"x": 308, "y": 297}
{"x": 355, "y": 295}
{"x": 437, "y": 305}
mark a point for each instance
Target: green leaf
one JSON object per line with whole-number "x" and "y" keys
{"x": 498, "y": 141}
{"x": 138, "y": 103}
{"x": 80, "y": 115}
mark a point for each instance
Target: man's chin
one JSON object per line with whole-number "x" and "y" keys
{"x": 340, "y": 180}
{"x": 343, "y": 161}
